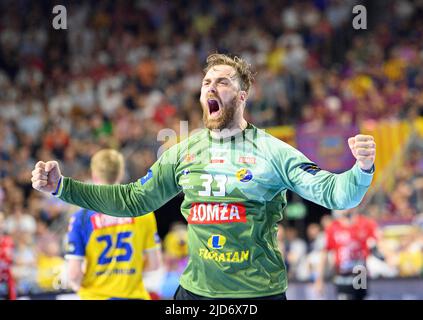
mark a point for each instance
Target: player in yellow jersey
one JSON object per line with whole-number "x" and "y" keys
{"x": 108, "y": 255}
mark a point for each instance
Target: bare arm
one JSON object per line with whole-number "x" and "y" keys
{"x": 153, "y": 260}
{"x": 75, "y": 273}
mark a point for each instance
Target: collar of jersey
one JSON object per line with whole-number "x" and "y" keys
{"x": 230, "y": 138}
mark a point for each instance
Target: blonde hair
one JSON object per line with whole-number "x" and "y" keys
{"x": 242, "y": 68}
{"x": 107, "y": 165}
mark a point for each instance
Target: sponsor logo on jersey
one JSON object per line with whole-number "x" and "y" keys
{"x": 189, "y": 158}
{"x": 147, "y": 177}
{"x": 310, "y": 168}
{"x": 116, "y": 271}
{"x": 247, "y": 159}
{"x": 218, "y": 155}
{"x": 100, "y": 221}
{"x": 231, "y": 256}
{"x": 216, "y": 241}
{"x": 216, "y": 213}
{"x": 217, "y": 160}
{"x": 244, "y": 175}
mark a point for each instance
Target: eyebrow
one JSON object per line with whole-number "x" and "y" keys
{"x": 218, "y": 79}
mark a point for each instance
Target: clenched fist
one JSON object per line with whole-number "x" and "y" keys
{"x": 363, "y": 148}
{"x": 46, "y": 176}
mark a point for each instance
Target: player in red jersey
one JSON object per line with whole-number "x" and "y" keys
{"x": 351, "y": 237}
{"x": 7, "y": 283}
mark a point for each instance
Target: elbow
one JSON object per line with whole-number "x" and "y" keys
{"x": 344, "y": 207}
{"x": 345, "y": 204}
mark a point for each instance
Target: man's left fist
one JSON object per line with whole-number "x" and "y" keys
{"x": 363, "y": 148}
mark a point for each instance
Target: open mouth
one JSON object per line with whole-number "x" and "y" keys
{"x": 214, "y": 107}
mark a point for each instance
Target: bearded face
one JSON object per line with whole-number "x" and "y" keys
{"x": 217, "y": 116}
{"x": 219, "y": 97}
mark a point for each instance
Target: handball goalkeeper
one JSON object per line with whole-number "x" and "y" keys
{"x": 234, "y": 177}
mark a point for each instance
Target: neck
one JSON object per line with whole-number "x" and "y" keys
{"x": 233, "y": 129}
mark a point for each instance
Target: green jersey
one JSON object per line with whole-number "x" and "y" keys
{"x": 234, "y": 194}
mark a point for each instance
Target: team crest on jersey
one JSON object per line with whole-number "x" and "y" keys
{"x": 244, "y": 175}
{"x": 247, "y": 160}
{"x": 216, "y": 241}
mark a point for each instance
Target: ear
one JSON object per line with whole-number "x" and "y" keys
{"x": 243, "y": 95}
{"x": 94, "y": 178}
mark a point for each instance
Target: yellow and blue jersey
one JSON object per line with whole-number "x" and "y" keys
{"x": 113, "y": 249}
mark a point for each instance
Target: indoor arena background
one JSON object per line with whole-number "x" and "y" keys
{"x": 123, "y": 70}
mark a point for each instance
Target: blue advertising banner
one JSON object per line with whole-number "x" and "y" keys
{"x": 327, "y": 147}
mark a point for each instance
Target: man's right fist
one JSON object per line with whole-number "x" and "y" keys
{"x": 46, "y": 176}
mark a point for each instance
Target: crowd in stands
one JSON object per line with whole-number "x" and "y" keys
{"x": 399, "y": 251}
{"x": 124, "y": 70}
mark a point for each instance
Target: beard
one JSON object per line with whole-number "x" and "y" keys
{"x": 224, "y": 120}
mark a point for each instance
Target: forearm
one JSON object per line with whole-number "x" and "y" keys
{"x": 335, "y": 191}
{"x": 75, "y": 274}
{"x": 115, "y": 200}
{"x": 349, "y": 189}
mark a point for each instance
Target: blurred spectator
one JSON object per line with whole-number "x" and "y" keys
{"x": 7, "y": 281}
{"x": 352, "y": 238}
{"x": 50, "y": 266}
{"x": 316, "y": 243}
{"x": 20, "y": 222}
{"x": 296, "y": 251}
{"x": 44, "y": 237}
{"x": 410, "y": 259}
{"x": 175, "y": 259}
{"x": 25, "y": 264}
